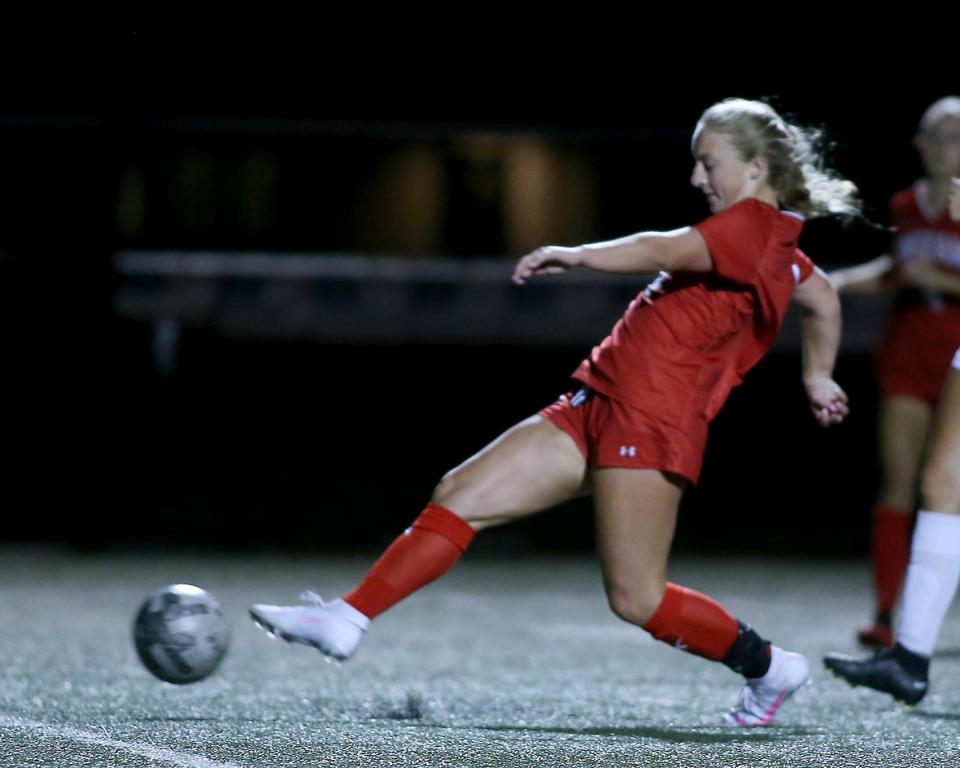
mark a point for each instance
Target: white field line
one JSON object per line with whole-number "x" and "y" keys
{"x": 159, "y": 754}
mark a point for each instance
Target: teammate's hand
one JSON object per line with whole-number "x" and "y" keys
{"x": 827, "y": 400}
{"x": 920, "y": 273}
{"x": 549, "y": 260}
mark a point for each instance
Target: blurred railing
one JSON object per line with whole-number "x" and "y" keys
{"x": 339, "y": 298}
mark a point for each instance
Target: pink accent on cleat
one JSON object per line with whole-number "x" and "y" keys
{"x": 761, "y": 697}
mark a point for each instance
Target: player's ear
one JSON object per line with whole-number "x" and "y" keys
{"x": 759, "y": 167}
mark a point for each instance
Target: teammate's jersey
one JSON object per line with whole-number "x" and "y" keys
{"x": 923, "y": 234}
{"x": 688, "y": 339}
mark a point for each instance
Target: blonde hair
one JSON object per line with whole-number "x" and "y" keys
{"x": 948, "y": 106}
{"x": 795, "y": 164}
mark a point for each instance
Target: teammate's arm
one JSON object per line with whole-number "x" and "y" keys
{"x": 924, "y": 274}
{"x": 863, "y": 278}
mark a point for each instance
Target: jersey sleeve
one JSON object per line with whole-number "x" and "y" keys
{"x": 802, "y": 266}
{"x": 900, "y": 205}
{"x": 737, "y": 238}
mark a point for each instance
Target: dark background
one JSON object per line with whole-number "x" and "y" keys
{"x": 303, "y": 444}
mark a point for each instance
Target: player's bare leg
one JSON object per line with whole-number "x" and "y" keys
{"x": 636, "y": 515}
{"x": 903, "y": 426}
{"x": 934, "y": 572}
{"x": 531, "y": 467}
{"x": 941, "y": 476}
{"x": 904, "y": 423}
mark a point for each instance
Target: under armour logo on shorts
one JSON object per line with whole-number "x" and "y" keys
{"x": 628, "y": 450}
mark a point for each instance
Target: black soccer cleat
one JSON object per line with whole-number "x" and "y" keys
{"x": 884, "y": 672}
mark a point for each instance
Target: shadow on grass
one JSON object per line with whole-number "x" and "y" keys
{"x": 928, "y": 715}
{"x": 178, "y": 719}
{"x": 678, "y": 735}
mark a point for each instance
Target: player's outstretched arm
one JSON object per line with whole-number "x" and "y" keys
{"x": 820, "y": 331}
{"x": 681, "y": 250}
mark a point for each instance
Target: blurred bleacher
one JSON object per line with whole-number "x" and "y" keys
{"x": 349, "y": 299}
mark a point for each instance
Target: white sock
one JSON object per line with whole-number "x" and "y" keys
{"x": 931, "y": 582}
{"x": 344, "y": 610}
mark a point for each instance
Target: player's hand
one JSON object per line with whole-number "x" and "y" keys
{"x": 920, "y": 273}
{"x": 827, "y": 400}
{"x": 549, "y": 260}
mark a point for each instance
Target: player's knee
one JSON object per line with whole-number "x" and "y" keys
{"x": 941, "y": 487}
{"x": 445, "y": 488}
{"x": 457, "y": 496}
{"x": 634, "y": 604}
{"x": 898, "y": 491}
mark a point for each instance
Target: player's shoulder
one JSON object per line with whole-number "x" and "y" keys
{"x": 759, "y": 212}
{"x": 752, "y": 207}
{"x": 904, "y": 200}
{"x": 747, "y": 214}
{"x": 769, "y": 223}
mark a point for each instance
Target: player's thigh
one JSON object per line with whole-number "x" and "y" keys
{"x": 941, "y": 477}
{"x": 903, "y": 427}
{"x": 636, "y": 512}
{"x": 532, "y": 466}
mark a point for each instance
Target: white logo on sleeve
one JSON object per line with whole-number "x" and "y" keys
{"x": 628, "y": 450}
{"x": 796, "y": 273}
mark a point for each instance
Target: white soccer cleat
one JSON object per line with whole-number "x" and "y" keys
{"x": 335, "y": 628}
{"x": 761, "y": 697}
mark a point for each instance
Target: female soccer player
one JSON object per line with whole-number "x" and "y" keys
{"x": 915, "y": 354}
{"x": 633, "y": 432}
{"x": 934, "y": 571}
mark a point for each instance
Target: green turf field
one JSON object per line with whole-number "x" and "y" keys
{"x": 502, "y": 663}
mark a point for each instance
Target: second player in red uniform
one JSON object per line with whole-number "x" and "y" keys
{"x": 914, "y": 356}
{"x": 934, "y": 572}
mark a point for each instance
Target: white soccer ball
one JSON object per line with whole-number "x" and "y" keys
{"x": 181, "y": 633}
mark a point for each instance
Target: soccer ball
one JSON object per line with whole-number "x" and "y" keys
{"x": 181, "y": 633}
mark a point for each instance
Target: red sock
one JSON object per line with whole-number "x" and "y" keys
{"x": 693, "y": 622}
{"x": 890, "y": 549}
{"x": 426, "y": 550}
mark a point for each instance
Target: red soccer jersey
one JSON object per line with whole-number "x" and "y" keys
{"x": 688, "y": 339}
{"x": 923, "y": 234}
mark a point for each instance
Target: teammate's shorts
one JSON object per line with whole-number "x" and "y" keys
{"x": 915, "y": 355}
{"x": 611, "y": 434}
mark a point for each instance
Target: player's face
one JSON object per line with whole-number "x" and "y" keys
{"x": 720, "y": 173}
{"x": 939, "y": 148}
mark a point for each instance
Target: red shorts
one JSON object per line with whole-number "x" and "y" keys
{"x": 915, "y": 355}
{"x": 611, "y": 434}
